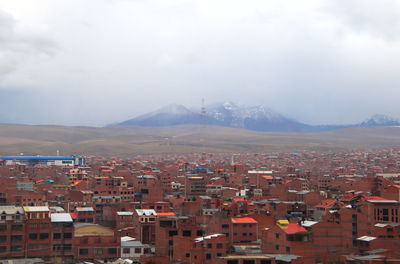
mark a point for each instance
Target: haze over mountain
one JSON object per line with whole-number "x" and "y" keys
{"x": 229, "y": 114}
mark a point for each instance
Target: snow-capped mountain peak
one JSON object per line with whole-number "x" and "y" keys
{"x": 381, "y": 120}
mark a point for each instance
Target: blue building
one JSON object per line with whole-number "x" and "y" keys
{"x": 44, "y": 160}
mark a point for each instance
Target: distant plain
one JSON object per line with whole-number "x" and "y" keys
{"x": 130, "y": 141}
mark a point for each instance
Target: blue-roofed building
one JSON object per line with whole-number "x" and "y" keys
{"x": 44, "y": 160}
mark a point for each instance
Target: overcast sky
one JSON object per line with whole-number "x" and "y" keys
{"x": 94, "y": 62}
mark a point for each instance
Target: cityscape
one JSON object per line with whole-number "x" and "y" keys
{"x": 199, "y": 132}
{"x": 299, "y": 207}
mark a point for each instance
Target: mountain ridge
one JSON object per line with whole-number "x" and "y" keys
{"x": 255, "y": 118}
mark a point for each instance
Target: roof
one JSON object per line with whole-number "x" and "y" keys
{"x": 366, "y": 238}
{"x": 61, "y": 217}
{"x": 329, "y": 203}
{"x": 124, "y": 213}
{"x": 292, "y": 228}
{"x": 308, "y": 223}
{"x": 86, "y": 229}
{"x": 146, "y": 212}
{"x": 382, "y": 201}
{"x": 283, "y": 257}
{"x": 37, "y": 158}
{"x": 166, "y": 214}
{"x": 243, "y": 220}
{"x": 199, "y": 239}
{"x": 376, "y": 198}
{"x": 36, "y": 208}
{"x": 127, "y": 238}
{"x": 131, "y": 243}
{"x": 11, "y": 209}
{"x": 84, "y": 209}
{"x": 259, "y": 172}
{"x": 386, "y": 224}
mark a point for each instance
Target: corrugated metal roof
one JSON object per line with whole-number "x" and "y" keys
{"x": 61, "y": 217}
{"x": 366, "y": 238}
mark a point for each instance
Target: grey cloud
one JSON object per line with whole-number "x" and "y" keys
{"x": 317, "y": 61}
{"x": 17, "y": 46}
{"x": 378, "y": 19}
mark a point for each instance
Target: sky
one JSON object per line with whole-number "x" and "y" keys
{"x": 95, "y": 62}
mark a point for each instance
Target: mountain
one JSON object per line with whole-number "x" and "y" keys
{"x": 380, "y": 120}
{"x": 255, "y": 118}
{"x": 170, "y": 115}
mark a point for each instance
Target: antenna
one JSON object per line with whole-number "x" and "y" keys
{"x": 203, "y": 113}
{"x": 203, "y": 123}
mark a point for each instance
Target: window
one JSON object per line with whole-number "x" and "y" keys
{"x": 126, "y": 250}
{"x": 277, "y": 247}
{"x": 83, "y": 251}
{"x": 44, "y": 225}
{"x": 3, "y": 248}
{"x": 276, "y": 235}
{"x": 173, "y": 233}
{"x": 219, "y": 254}
{"x": 43, "y": 236}
{"x": 219, "y": 245}
{"x": 16, "y": 248}
{"x": 67, "y": 247}
{"x": 16, "y": 238}
{"x": 3, "y": 238}
{"x": 208, "y": 256}
{"x": 112, "y": 251}
{"x": 57, "y": 236}
{"x": 199, "y": 233}
{"x": 99, "y": 251}
{"x": 67, "y": 235}
{"x": 16, "y": 227}
{"x": 57, "y": 247}
{"x": 3, "y": 228}
{"x": 209, "y": 245}
{"x": 138, "y": 250}
{"x": 288, "y": 249}
{"x": 248, "y": 261}
{"x": 188, "y": 255}
{"x": 186, "y": 233}
{"x": 33, "y": 226}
